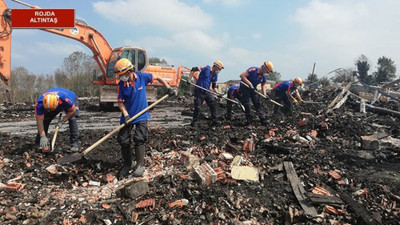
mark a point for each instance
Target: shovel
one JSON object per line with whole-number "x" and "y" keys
{"x": 53, "y": 142}
{"x": 262, "y": 95}
{"x": 78, "y": 156}
{"x": 214, "y": 93}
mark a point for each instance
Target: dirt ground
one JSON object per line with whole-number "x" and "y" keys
{"x": 325, "y": 150}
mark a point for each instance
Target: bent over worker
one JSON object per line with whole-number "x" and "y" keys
{"x": 132, "y": 100}
{"x": 283, "y": 93}
{"x": 48, "y": 106}
{"x": 233, "y": 92}
{"x": 252, "y": 77}
{"x": 207, "y": 79}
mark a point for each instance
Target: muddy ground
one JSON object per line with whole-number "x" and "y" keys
{"x": 324, "y": 149}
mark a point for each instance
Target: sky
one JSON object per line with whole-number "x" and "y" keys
{"x": 292, "y": 34}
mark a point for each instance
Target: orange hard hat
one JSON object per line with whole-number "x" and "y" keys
{"x": 219, "y": 64}
{"x": 268, "y": 66}
{"x": 122, "y": 66}
{"x": 298, "y": 81}
{"x": 50, "y": 101}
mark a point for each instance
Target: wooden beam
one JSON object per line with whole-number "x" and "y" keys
{"x": 299, "y": 191}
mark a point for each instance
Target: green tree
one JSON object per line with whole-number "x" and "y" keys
{"x": 158, "y": 61}
{"x": 312, "y": 78}
{"x": 363, "y": 65}
{"x": 324, "y": 81}
{"x": 386, "y": 70}
{"x": 275, "y": 76}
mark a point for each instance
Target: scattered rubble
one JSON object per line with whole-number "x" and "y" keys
{"x": 327, "y": 164}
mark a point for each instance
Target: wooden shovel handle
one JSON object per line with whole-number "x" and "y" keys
{"x": 264, "y": 96}
{"x": 53, "y": 142}
{"x": 122, "y": 125}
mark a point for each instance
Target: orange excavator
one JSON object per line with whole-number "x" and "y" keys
{"x": 103, "y": 54}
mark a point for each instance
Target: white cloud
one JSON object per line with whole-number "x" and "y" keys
{"x": 152, "y": 44}
{"x": 340, "y": 31}
{"x": 226, "y": 2}
{"x": 166, "y": 14}
{"x": 256, "y": 36}
{"x": 56, "y": 49}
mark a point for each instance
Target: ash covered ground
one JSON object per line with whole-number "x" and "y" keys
{"x": 344, "y": 182}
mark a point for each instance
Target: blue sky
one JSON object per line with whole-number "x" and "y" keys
{"x": 292, "y": 34}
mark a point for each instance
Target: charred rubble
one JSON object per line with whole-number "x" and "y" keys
{"x": 323, "y": 165}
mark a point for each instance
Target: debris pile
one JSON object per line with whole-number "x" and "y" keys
{"x": 322, "y": 165}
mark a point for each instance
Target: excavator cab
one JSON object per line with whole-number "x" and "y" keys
{"x": 137, "y": 56}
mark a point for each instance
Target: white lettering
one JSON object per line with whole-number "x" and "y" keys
{"x": 45, "y": 13}
{"x": 43, "y": 20}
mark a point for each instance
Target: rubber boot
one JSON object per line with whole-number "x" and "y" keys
{"x": 140, "y": 152}
{"x": 127, "y": 156}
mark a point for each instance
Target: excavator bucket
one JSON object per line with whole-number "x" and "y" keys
{"x": 5, "y": 46}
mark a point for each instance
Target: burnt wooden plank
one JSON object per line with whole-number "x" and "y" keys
{"x": 299, "y": 191}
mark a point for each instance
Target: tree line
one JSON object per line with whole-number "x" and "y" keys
{"x": 78, "y": 70}
{"x": 75, "y": 73}
{"x": 385, "y": 72}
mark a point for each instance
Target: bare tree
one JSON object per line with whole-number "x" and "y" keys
{"x": 21, "y": 85}
{"x": 76, "y": 74}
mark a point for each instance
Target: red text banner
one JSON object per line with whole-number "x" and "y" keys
{"x": 43, "y": 18}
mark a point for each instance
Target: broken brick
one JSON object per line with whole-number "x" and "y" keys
{"x": 11, "y": 187}
{"x": 334, "y": 174}
{"x": 204, "y": 174}
{"x": 302, "y": 122}
{"x": 148, "y": 203}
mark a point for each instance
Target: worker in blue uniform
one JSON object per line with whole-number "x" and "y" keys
{"x": 48, "y": 106}
{"x": 251, "y": 78}
{"x": 132, "y": 100}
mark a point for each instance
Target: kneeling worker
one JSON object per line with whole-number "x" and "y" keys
{"x": 48, "y": 106}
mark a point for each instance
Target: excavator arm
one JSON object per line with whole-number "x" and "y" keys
{"x": 104, "y": 55}
{"x": 82, "y": 32}
{"x": 5, "y": 43}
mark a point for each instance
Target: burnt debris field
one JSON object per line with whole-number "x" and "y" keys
{"x": 327, "y": 164}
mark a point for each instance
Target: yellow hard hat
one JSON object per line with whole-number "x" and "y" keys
{"x": 298, "y": 81}
{"x": 219, "y": 64}
{"x": 122, "y": 66}
{"x": 268, "y": 66}
{"x": 50, "y": 101}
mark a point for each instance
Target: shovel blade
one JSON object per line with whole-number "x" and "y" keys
{"x": 70, "y": 158}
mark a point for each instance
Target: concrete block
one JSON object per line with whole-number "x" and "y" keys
{"x": 134, "y": 190}
{"x": 245, "y": 173}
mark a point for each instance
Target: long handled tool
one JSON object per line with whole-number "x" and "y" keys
{"x": 53, "y": 142}
{"x": 214, "y": 93}
{"x": 262, "y": 95}
{"x": 78, "y": 156}
{"x": 309, "y": 102}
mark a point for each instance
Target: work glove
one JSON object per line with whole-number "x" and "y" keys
{"x": 251, "y": 86}
{"x": 44, "y": 142}
{"x": 295, "y": 101}
{"x": 194, "y": 69}
{"x": 127, "y": 117}
{"x": 171, "y": 92}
